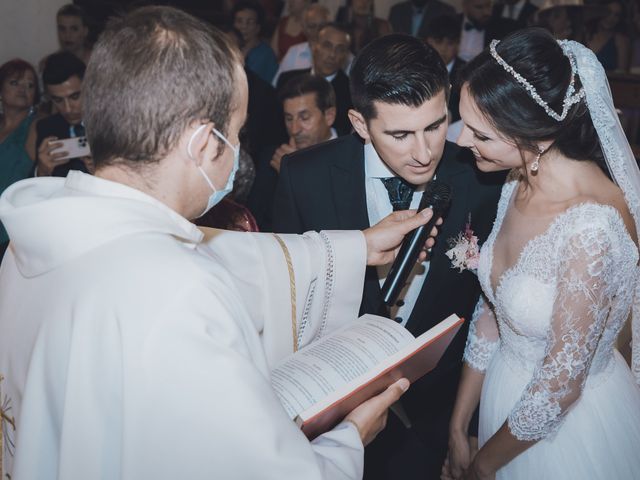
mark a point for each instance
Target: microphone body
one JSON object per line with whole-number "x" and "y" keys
{"x": 437, "y": 196}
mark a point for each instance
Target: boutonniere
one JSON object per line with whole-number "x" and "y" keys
{"x": 464, "y": 251}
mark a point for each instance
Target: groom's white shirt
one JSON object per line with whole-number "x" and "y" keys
{"x": 378, "y": 207}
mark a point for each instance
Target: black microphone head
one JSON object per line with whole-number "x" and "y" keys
{"x": 437, "y": 195}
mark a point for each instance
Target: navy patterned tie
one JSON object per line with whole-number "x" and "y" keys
{"x": 400, "y": 192}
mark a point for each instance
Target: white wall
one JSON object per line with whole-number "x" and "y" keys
{"x": 28, "y": 29}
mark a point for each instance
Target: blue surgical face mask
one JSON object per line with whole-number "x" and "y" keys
{"x": 217, "y": 195}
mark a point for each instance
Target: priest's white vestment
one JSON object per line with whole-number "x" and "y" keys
{"x": 134, "y": 347}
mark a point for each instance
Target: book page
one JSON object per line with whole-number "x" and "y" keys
{"x": 323, "y": 366}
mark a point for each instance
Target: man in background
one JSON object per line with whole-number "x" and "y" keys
{"x": 309, "y": 105}
{"x": 444, "y": 36}
{"x": 62, "y": 77}
{"x": 413, "y": 16}
{"x": 478, "y": 27}
{"x": 299, "y": 55}
{"x": 329, "y": 53}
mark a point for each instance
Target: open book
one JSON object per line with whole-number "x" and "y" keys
{"x": 324, "y": 381}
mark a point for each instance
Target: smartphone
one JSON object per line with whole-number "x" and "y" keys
{"x": 75, "y": 147}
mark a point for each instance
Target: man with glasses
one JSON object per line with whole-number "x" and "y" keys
{"x": 329, "y": 53}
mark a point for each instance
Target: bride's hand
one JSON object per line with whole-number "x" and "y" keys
{"x": 473, "y": 473}
{"x": 459, "y": 456}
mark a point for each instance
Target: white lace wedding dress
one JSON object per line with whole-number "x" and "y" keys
{"x": 546, "y": 342}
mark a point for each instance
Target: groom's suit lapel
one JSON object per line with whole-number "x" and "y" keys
{"x": 350, "y": 201}
{"x": 348, "y": 184}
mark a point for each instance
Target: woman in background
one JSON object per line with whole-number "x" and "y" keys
{"x": 18, "y": 97}
{"x": 248, "y": 20}
{"x": 360, "y": 21}
{"x": 289, "y": 31}
{"x": 609, "y": 39}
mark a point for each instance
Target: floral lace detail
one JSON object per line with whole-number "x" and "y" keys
{"x": 635, "y": 332}
{"x": 618, "y": 155}
{"x": 480, "y": 348}
{"x": 560, "y": 308}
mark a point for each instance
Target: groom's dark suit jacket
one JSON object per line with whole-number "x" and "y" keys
{"x": 323, "y": 187}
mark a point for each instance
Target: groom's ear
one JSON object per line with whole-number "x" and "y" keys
{"x": 359, "y": 124}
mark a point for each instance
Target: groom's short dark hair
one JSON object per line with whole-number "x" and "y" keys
{"x": 397, "y": 69}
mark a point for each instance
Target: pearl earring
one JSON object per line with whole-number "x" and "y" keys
{"x": 535, "y": 165}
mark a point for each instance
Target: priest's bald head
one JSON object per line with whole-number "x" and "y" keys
{"x": 165, "y": 97}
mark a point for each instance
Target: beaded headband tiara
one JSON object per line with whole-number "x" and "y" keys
{"x": 570, "y": 98}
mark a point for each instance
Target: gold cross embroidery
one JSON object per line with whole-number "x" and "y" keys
{"x": 5, "y": 422}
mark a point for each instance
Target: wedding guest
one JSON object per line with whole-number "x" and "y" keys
{"x": 521, "y": 11}
{"x": 129, "y": 346}
{"x": 608, "y": 38}
{"x": 73, "y": 31}
{"x": 413, "y": 16}
{"x": 62, "y": 77}
{"x": 309, "y": 105}
{"x": 329, "y": 54}
{"x": 478, "y": 27}
{"x": 559, "y": 272}
{"x": 18, "y": 96}
{"x": 299, "y": 55}
{"x": 248, "y": 19}
{"x": 444, "y": 36}
{"x": 400, "y": 88}
{"x": 359, "y": 19}
{"x": 563, "y": 18}
{"x": 264, "y": 124}
{"x": 289, "y": 30}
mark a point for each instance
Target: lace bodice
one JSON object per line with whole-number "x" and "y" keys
{"x": 556, "y": 313}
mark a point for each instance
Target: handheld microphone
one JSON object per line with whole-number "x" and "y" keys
{"x": 436, "y": 196}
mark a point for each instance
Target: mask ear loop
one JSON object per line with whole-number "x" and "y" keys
{"x": 193, "y": 137}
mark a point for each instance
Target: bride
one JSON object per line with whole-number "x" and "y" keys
{"x": 559, "y": 271}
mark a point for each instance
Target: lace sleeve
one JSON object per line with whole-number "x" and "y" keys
{"x": 635, "y": 331}
{"x": 483, "y": 337}
{"x": 580, "y": 311}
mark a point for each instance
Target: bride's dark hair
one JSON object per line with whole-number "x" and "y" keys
{"x": 534, "y": 54}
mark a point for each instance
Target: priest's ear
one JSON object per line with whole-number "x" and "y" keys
{"x": 359, "y": 124}
{"x": 200, "y": 142}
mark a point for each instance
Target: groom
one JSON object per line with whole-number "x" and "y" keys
{"x": 400, "y": 89}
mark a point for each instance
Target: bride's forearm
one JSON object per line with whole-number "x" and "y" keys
{"x": 467, "y": 399}
{"x": 498, "y": 451}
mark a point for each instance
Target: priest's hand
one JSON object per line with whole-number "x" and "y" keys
{"x": 384, "y": 238}
{"x": 370, "y": 418}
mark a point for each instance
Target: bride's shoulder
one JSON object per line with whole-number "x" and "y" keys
{"x": 606, "y": 208}
{"x": 592, "y": 219}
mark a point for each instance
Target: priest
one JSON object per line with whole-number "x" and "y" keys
{"x": 134, "y": 345}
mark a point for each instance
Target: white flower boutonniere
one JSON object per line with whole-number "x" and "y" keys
{"x": 464, "y": 251}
